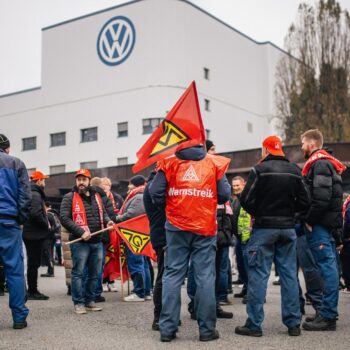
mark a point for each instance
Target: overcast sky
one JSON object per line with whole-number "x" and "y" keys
{"x": 21, "y": 22}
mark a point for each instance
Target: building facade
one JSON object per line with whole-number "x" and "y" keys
{"x": 109, "y": 78}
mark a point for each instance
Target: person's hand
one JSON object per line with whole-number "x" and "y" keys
{"x": 339, "y": 248}
{"x": 110, "y": 225}
{"x": 86, "y": 236}
{"x": 309, "y": 227}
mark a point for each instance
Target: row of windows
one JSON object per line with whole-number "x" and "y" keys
{"x": 90, "y": 134}
{"x": 59, "y": 169}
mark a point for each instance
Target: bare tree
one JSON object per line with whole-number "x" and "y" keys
{"x": 313, "y": 81}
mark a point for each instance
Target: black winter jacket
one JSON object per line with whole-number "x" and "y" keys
{"x": 157, "y": 218}
{"x": 224, "y": 235}
{"x": 92, "y": 215}
{"x": 346, "y": 227}
{"x": 37, "y": 227}
{"x": 55, "y": 226}
{"x": 236, "y": 208}
{"x": 274, "y": 192}
{"x": 325, "y": 186}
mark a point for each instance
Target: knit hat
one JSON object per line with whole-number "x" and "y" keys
{"x": 4, "y": 142}
{"x": 209, "y": 144}
{"x": 137, "y": 180}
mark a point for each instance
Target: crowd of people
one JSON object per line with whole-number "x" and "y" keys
{"x": 282, "y": 215}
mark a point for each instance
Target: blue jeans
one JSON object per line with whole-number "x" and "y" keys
{"x": 322, "y": 246}
{"x": 180, "y": 247}
{"x": 221, "y": 273}
{"x": 139, "y": 272}
{"x": 242, "y": 271}
{"x": 312, "y": 275}
{"x": 12, "y": 256}
{"x": 99, "y": 288}
{"x": 264, "y": 247}
{"x": 221, "y": 280}
{"x": 90, "y": 255}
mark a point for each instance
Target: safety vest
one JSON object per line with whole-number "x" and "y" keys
{"x": 79, "y": 213}
{"x": 191, "y": 197}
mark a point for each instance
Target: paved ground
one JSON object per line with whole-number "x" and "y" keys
{"x": 53, "y": 325}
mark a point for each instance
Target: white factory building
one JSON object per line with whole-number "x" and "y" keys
{"x": 108, "y": 79}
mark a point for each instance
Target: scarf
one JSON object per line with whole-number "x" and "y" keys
{"x": 131, "y": 194}
{"x": 79, "y": 213}
{"x": 322, "y": 154}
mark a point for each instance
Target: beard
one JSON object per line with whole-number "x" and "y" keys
{"x": 82, "y": 189}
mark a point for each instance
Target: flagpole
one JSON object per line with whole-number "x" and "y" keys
{"x": 121, "y": 273}
{"x": 92, "y": 234}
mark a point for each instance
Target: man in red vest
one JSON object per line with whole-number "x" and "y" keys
{"x": 190, "y": 184}
{"x": 82, "y": 213}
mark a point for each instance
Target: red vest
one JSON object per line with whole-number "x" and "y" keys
{"x": 191, "y": 192}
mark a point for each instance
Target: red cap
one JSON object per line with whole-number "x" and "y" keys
{"x": 38, "y": 175}
{"x": 83, "y": 172}
{"x": 274, "y": 145}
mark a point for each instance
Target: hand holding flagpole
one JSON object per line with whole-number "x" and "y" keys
{"x": 92, "y": 234}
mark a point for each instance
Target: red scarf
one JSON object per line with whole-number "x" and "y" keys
{"x": 115, "y": 208}
{"x": 131, "y": 194}
{"x": 322, "y": 154}
{"x": 345, "y": 205}
{"x": 79, "y": 214}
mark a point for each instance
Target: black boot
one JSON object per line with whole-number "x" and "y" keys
{"x": 220, "y": 313}
{"x": 312, "y": 318}
{"x": 321, "y": 324}
{"x": 244, "y": 330}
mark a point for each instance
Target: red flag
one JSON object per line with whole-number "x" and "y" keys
{"x": 182, "y": 127}
{"x": 112, "y": 261}
{"x": 136, "y": 235}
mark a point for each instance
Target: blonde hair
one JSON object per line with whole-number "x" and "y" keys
{"x": 106, "y": 181}
{"x": 96, "y": 181}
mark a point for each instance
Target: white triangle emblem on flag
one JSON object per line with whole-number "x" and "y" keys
{"x": 79, "y": 220}
{"x": 190, "y": 175}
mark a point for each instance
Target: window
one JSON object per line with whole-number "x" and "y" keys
{"x": 89, "y": 135}
{"x": 150, "y": 124}
{"x": 57, "y": 169}
{"x": 31, "y": 171}
{"x": 122, "y": 161}
{"x": 88, "y": 165}
{"x": 250, "y": 127}
{"x": 29, "y": 143}
{"x": 206, "y": 73}
{"x": 207, "y": 105}
{"x": 58, "y": 139}
{"x": 123, "y": 129}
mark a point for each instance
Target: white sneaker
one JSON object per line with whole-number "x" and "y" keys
{"x": 133, "y": 297}
{"x": 112, "y": 287}
{"x": 92, "y": 307}
{"x": 346, "y": 290}
{"x": 148, "y": 297}
{"x": 105, "y": 287}
{"x": 79, "y": 309}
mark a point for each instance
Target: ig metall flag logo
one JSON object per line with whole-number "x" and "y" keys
{"x": 116, "y": 40}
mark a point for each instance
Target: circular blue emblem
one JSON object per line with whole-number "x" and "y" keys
{"x": 116, "y": 40}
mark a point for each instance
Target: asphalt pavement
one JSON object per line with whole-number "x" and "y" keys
{"x": 52, "y": 324}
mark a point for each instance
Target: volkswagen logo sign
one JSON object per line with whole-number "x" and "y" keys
{"x": 116, "y": 40}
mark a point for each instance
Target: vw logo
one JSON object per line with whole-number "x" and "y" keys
{"x": 116, "y": 40}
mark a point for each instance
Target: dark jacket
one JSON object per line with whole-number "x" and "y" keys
{"x": 346, "y": 227}
{"x": 159, "y": 185}
{"x": 156, "y": 217}
{"x": 37, "y": 227}
{"x": 55, "y": 226}
{"x": 15, "y": 194}
{"x": 236, "y": 208}
{"x": 325, "y": 186}
{"x": 274, "y": 192}
{"x": 92, "y": 215}
{"x": 224, "y": 235}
